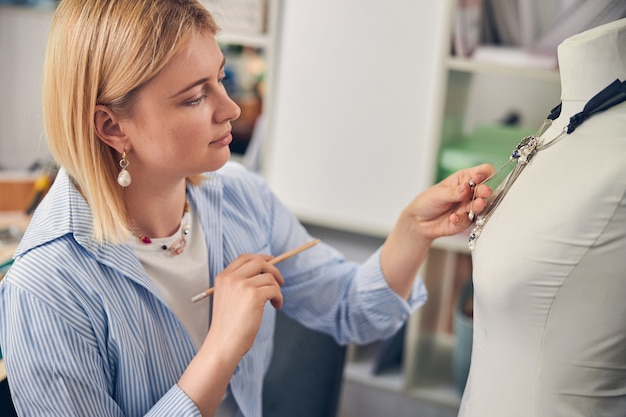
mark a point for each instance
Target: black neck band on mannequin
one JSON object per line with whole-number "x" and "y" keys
{"x": 611, "y": 95}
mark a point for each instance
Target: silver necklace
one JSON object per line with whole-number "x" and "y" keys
{"x": 523, "y": 153}
{"x": 521, "y": 156}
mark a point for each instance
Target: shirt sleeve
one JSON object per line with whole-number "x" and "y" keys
{"x": 352, "y": 302}
{"x": 56, "y": 368}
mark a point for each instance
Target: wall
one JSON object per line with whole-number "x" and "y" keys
{"x": 23, "y": 34}
{"x": 353, "y": 132}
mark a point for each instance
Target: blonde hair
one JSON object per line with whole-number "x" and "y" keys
{"x": 102, "y": 52}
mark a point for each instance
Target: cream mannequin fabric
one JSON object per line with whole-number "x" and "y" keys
{"x": 550, "y": 265}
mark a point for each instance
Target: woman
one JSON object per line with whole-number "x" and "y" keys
{"x": 96, "y": 314}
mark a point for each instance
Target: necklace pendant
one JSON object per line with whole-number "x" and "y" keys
{"x": 178, "y": 246}
{"x": 476, "y": 232}
{"x": 525, "y": 150}
{"x": 145, "y": 239}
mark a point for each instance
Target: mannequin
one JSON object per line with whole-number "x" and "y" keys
{"x": 549, "y": 268}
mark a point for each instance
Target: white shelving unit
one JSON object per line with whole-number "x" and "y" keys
{"x": 473, "y": 67}
{"x": 251, "y": 24}
{"x": 353, "y": 116}
{"x": 21, "y": 128}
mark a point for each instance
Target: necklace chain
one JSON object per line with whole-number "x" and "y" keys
{"x": 610, "y": 96}
{"x": 521, "y": 156}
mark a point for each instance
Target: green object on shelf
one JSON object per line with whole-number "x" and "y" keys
{"x": 4, "y": 267}
{"x": 489, "y": 143}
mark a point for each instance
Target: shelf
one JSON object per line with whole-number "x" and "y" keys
{"x": 45, "y": 6}
{"x": 256, "y": 41}
{"x": 441, "y": 395}
{"x": 430, "y": 381}
{"x": 472, "y": 66}
{"x": 360, "y": 372}
{"x": 457, "y": 243}
{"x": 244, "y": 33}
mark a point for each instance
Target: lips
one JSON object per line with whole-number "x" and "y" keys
{"x": 223, "y": 140}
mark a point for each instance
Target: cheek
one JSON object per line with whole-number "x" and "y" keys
{"x": 174, "y": 132}
{"x": 189, "y": 136}
{"x": 194, "y": 130}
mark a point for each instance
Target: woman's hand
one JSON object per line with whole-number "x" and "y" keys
{"x": 441, "y": 210}
{"x": 241, "y": 292}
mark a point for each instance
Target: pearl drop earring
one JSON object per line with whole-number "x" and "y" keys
{"x": 123, "y": 178}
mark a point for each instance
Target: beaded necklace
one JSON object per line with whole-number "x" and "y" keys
{"x": 178, "y": 245}
{"x": 610, "y": 96}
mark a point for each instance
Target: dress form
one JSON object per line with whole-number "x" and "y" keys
{"x": 588, "y": 62}
{"x": 549, "y": 284}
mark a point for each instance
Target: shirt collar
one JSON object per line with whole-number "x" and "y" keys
{"x": 65, "y": 211}
{"x": 62, "y": 211}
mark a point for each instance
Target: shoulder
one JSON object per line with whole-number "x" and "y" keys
{"x": 234, "y": 182}
{"x": 63, "y": 211}
{"x": 51, "y": 265}
{"x": 52, "y": 277}
{"x": 234, "y": 173}
{"x": 236, "y": 196}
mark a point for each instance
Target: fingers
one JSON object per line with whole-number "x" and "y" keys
{"x": 242, "y": 291}
{"x": 244, "y": 259}
{"x": 460, "y": 217}
{"x": 455, "y": 219}
{"x": 473, "y": 181}
{"x": 252, "y": 272}
{"x": 471, "y": 194}
{"x": 465, "y": 195}
{"x": 478, "y": 173}
{"x": 266, "y": 288}
{"x": 251, "y": 265}
{"x": 444, "y": 209}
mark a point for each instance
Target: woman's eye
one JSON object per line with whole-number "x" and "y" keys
{"x": 196, "y": 101}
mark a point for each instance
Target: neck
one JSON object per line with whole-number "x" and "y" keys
{"x": 588, "y": 62}
{"x": 156, "y": 214}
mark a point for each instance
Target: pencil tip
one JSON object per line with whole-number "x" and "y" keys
{"x": 198, "y": 297}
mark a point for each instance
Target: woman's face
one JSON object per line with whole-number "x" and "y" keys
{"x": 181, "y": 120}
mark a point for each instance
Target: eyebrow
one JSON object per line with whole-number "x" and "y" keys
{"x": 197, "y": 82}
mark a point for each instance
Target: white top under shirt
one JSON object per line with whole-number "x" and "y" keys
{"x": 180, "y": 277}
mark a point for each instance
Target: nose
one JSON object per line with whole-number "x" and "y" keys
{"x": 228, "y": 110}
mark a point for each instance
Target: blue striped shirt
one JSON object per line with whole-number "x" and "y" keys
{"x": 85, "y": 332}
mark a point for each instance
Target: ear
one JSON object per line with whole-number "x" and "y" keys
{"x": 108, "y": 128}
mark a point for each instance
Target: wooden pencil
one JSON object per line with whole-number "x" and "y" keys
{"x": 272, "y": 261}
